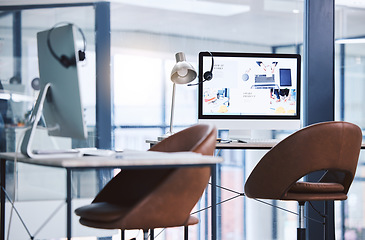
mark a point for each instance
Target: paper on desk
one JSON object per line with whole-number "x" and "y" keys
{"x": 153, "y": 154}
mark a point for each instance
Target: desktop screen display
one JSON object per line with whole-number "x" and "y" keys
{"x": 249, "y": 86}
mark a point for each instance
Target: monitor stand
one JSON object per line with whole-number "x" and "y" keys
{"x": 252, "y": 136}
{"x": 239, "y": 135}
{"x": 26, "y": 145}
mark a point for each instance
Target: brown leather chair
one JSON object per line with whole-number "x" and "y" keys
{"x": 157, "y": 197}
{"x": 330, "y": 146}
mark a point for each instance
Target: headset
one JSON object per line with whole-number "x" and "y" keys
{"x": 208, "y": 75}
{"x": 63, "y": 59}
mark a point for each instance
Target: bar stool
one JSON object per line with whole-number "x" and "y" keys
{"x": 156, "y": 197}
{"x": 330, "y": 146}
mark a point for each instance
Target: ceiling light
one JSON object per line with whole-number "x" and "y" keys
{"x": 351, "y": 3}
{"x": 350, "y": 40}
{"x": 190, "y": 6}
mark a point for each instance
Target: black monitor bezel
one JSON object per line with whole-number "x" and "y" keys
{"x": 238, "y": 54}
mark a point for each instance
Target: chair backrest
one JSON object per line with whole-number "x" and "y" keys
{"x": 198, "y": 138}
{"x": 163, "y": 197}
{"x": 333, "y": 146}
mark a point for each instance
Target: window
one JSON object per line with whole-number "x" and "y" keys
{"x": 349, "y": 77}
{"x": 145, "y": 38}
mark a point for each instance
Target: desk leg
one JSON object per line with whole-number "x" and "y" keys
{"x": 214, "y": 201}
{"x": 2, "y": 194}
{"x": 68, "y": 203}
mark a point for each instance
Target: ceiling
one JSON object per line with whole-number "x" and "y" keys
{"x": 261, "y": 22}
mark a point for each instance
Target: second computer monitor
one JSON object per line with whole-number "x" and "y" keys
{"x": 59, "y": 100}
{"x": 250, "y": 90}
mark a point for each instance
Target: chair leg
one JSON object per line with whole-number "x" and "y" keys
{"x": 186, "y": 233}
{"x": 145, "y": 234}
{"x": 152, "y": 234}
{"x": 301, "y": 229}
{"x": 122, "y": 235}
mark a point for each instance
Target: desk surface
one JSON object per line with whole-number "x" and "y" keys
{"x": 239, "y": 145}
{"x": 235, "y": 145}
{"x": 256, "y": 145}
{"x": 119, "y": 160}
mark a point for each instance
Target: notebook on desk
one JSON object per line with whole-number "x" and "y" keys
{"x": 71, "y": 153}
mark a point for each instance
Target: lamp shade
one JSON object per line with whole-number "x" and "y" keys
{"x": 183, "y": 72}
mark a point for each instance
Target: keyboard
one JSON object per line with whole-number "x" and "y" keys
{"x": 96, "y": 152}
{"x": 257, "y": 140}
{"x": 264, "y": 86}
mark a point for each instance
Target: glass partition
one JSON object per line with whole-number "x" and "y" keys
{"x": 19, "y": 63}
{"x": 349, "y": 79}
{"x": 41, "y": 187}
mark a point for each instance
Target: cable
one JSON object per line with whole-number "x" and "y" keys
{"x": 49, "y": 218}
{"x": 12, "y": 202}
{"x": 16, "y": 211}
{"x": 318, "y": 212}
{"x": 208, "y": 75}
{"x": 229, "y": 190}
{"x": 272, "y": 205}
{"x": 261, "y": 201}
{"x": 206, "y": 208}
{"x": 159, "y": 233}
{"x": 239, "y": 194}
{"x": 218, "y": 203}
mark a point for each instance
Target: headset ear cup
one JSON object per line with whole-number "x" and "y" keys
{"x": 81, "y": 55}
{"x": 63, "y": 59}
{"x": 208, "y": 75}
{"x": 67, "y": 62}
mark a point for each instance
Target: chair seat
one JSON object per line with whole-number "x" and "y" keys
{"x": 310, "y": 191}
{"x": 111, "y": 216}
{"x": 314, "y": 187}
{"x": 117, "y": 225}
{"x": 300, "y": 197}
{"x": 101, "y": 212}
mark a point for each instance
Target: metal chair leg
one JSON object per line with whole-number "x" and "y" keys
{"x": 301, "y": 229}
{"x": 145, "y": 234}
{"x": 122, "y": 235}
{"x": 152, "y": 234}
{"x": 186, "y": 233}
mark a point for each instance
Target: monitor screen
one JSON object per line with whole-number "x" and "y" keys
{"x": 250, "y": 90}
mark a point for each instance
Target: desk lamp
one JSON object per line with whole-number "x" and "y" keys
{"x": 182, "y": 73}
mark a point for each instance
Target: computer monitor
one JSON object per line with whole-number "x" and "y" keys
{"x": 249, "y": 91}
{"x": 59, "y": 99}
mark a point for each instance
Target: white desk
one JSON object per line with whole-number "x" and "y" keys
{"x": 234, "y": 145}
{"x": 122, "y": 160}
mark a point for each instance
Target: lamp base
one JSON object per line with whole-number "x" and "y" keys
{"x": 166, "y": 135}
